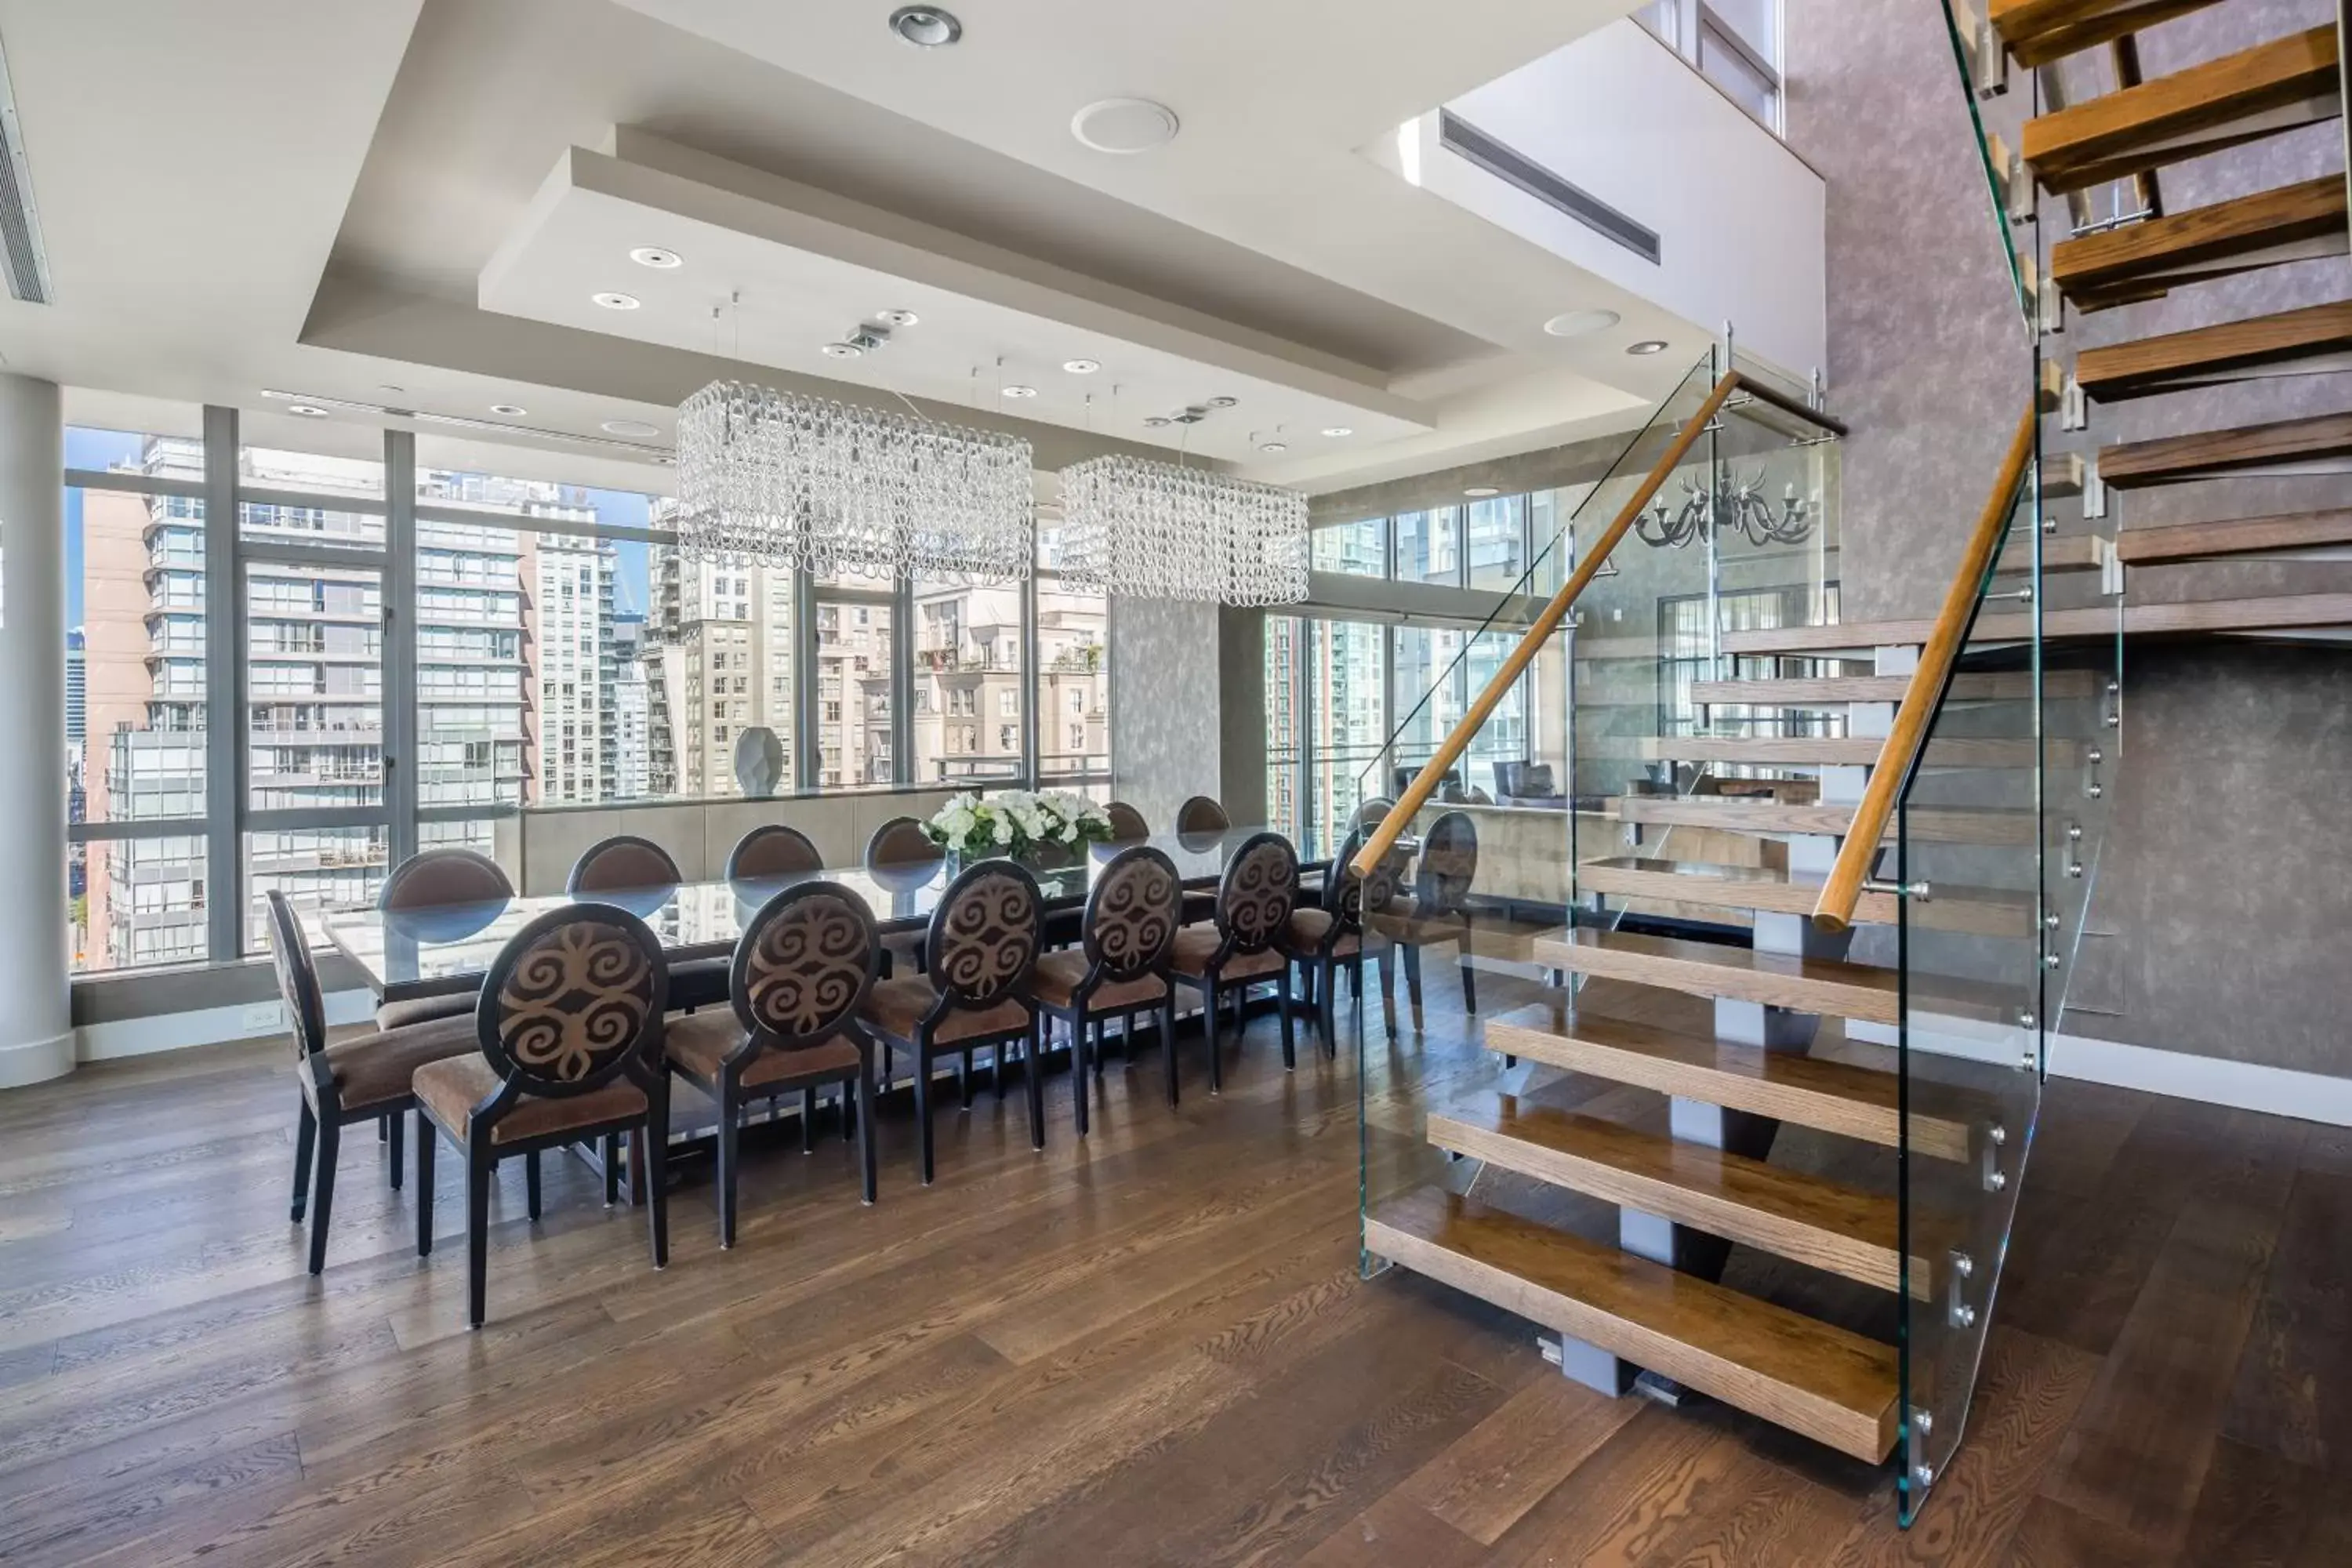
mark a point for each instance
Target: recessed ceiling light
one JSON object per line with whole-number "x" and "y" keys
{"x": 655, "y": 256}
{"x": 900, "y": 318}
{"x": 1576, "y": 323}
{"x": 616, "y": 301}
{"x": 665, "y": 461}
{"x": 1124, "y": 125}
{"x": 1647, "y": 346}
{"x": 1274, "y": 445}
{"x": 1222, "y": 402}
{"x": 1082, "y": 366}
{"x": 926, "y": 26}
{"x": 634, "y": 429}
{"x": 1156, "y": 420}
{"x": 1336, "y": 431}
{"x": 1020, "y": 392}
{"x": 307, "y": 410}
{"x": 511, "y": 410}
{"x": 841, "y": 351}
{"x": 1480, "y": 492}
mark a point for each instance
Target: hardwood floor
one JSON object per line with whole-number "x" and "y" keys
{"x": 1151, "y": 1348}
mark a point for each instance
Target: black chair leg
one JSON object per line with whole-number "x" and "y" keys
{"x": 852, "y": 1119}
{"x": 612, "y": 1169}
{"x": 322, "y": 1190}
{"x": 1469, "y": 983}
{"x": 397, "y": 1150}
{"x": 1326, "y": 996}
{"x": 1079, "y": 1091}
{"x": 866, "y": 1155}
{"x": 1289, "y": 1025}
{"x": 1035, "y": 1084}
{"x": 426, "y": 1139}
{"x": 384, "y": 1129}
{"x": 729, "y": 1147}
{"x": 1412, "y": 981}
{"x": 530, "y": 1184}
{"x": 306, "y": 1145}
{"x": 923, "y": 1113}
{"x": 1209, "y": 1022}
{"x": 808, "y": 1119}
{"x": 477, "y": 1235}
{"x": 1168, "y": 1042}
{"x": 964, "y": 1078}
{"x": 657, "y": 1170}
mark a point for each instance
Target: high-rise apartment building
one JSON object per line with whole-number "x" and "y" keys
{"x": 719, "y": 661}
{"x": 313, "y": 719}
{"x": 631, "y": 709}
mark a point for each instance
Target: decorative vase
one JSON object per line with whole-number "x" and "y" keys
{"x": 758, "y": 762}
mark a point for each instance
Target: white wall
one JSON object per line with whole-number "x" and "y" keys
{"x": 1617, "y": 113}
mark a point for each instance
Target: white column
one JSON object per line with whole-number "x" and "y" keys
{"x": 36, "y": 1026}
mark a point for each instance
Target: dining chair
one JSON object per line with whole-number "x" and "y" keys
{"x": 773, "y": 849}
{"x": 899, "y": 850}
{"x": 1326, "y": 937}
{"x": 1202, "y": 815}
{"x": 802, "y": 969}
{"x": 625, "y": 864}
{"x": 978, "y": 954}
{"x": 1435, "y": 911}
{"x": 357, "y": 1080}
{"x": 1120, "y": 967}
{"x": 569, "y": 1033}
{"x": 1127, "y": 824}
{"x": 430, "y": 880}
{"x": 1368, "y": 816}
{"x": 1255, "y": 899}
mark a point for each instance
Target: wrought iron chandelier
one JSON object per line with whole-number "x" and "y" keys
{"x": 775, "y": 479}
{"x": 1156, "y": 530}
{"x": 1740, "y": 510}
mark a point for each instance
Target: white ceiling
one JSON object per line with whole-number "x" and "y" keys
{"x": 354, "y": 198}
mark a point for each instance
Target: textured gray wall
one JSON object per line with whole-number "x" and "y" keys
{"x": 2222, "y": 891}
{"x": 1165, "y": 714}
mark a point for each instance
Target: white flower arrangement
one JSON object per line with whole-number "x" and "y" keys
{"x": 1015, "y": 821}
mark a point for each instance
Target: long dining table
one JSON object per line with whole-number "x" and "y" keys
{"x": 447, "y": 948}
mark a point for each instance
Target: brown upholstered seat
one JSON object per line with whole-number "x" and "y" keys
{"x": 1403, "y": 920}
{"x": 450, "y": 1088}
{"x": 1059, "y": 974}
{"x": 427, "y": 1010}
{"x": 1197, "y": 949}
{"x": 622, "y": 864}
{"x": 702, "y": 1043}
{"x": 1309, "y": 927}
{"x": 1127, "y": 824}
{"x": 375, "y": 1069}
{"x": 773, "y": 849}
{"x": 897, "y": 1006}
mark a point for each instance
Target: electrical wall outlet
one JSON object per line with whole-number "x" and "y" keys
{"x": 262, "y": 1017}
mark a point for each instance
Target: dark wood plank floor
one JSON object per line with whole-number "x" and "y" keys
{"x": 1151, "y": 1348}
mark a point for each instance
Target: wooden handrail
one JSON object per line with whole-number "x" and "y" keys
{"x": 1834, "y": 911}
{"x": 1433, "y": 773}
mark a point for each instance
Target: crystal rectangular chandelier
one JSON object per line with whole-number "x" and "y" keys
{"x": 1155, "y": 531}
{"x": 775, "y": 479}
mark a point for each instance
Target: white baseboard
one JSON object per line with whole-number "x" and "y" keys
{"x": 36, "y": 1061}
{"x": 2210, "y": 1080}
{"x": 206, "y": 1026}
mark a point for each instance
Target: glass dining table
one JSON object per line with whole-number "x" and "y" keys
{"x": 446, "y": 949}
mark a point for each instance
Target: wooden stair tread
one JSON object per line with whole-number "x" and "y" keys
{"x": 2140, "y": 260}
{"x": 2203, "y": 356}
{"x": 1844, "y": 1230}
{"x": 1829, "y": 1096}
{"x": 1995, "y": 824}
{"x": 2037, "y": 32}
{"x": 1836, "y": 690}
{"x": 1846, "y": 751}
{"x": 1811, "y": 1378}
{"x": 1711, "y": 969}
{"x": 1981, "y": 911}
{"x": 2207, "y": 454}
{"x": 2215, "y": 104}
{"x": 2238, "y": 536}
{"x": 2274, "y": 613}
{"x": 2067, "y": 552}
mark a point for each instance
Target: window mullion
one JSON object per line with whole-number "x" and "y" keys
{"x": 224, "y": 694}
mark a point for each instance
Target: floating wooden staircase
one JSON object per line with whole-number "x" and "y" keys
{"x": 2311, "y": 340}
{"x": 2300, "y": 222}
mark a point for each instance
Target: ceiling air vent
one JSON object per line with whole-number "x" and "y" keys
{"x": 1458, "y": 136}
{"x": 21, "y": 257}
